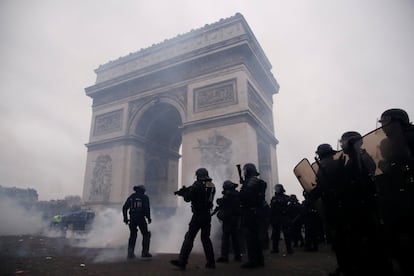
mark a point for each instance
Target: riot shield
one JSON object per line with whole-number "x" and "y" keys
{"x": 387, "y": 146}
{"x": 394, "y": 179}
{"x": 305, "y": 174}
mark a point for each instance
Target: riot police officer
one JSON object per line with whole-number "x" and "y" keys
{"x": 399, "y": 118}
{"x": 229, "y": 213}
{"x": 360, "y": 205}
{"x": 139, "y": 213}
{"x": 331, "y": 187}
{"x": 296, "y": 209}
{"x": 253, "y": 203}
{"x": 280, "y": 219}
{"x": 201, "y": 195}
{"x": 396, "y": 186}
{"x": 312, "y": 224}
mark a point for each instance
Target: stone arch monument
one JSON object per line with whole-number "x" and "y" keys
{"x": 207, "y": 92}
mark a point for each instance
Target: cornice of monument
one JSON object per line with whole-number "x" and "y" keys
{"x": 127, "y": 140}
{"x": 226, "y": 32}
{"x": 242, "y": 116}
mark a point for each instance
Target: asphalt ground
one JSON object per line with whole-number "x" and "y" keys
{"x": 35, "y": 255}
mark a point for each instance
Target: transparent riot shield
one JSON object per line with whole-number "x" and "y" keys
{"x": 387, "y": 147}
{"x": 394, "y": 177}
{"x": 305, "y": 174}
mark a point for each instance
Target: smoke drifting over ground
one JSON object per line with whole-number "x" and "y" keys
{"x": 17, "y": 220}
{"x": 167, "y": 234}
{"x": 107, "y": 230}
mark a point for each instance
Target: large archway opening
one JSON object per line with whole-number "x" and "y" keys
{"x": 159, "y": 130}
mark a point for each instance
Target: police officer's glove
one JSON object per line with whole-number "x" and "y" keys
{"x": 149, "y": 221}
{"x": 126, "y": 220}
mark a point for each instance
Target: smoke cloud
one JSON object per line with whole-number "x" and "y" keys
{"x": 17, "y": 220}
{"x": 108, "y": 234}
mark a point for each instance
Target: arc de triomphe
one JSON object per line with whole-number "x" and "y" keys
{"x": 207, "y": 92}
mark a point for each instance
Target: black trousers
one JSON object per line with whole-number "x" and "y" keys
{"x": 279, "y": 226}
{"x": 230, "y": 229}
{"x": 199, "y": 221}
{"x": 141, "y": 223}
{"x": 251, "y": 221}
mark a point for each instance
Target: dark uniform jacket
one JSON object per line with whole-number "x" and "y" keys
{"x": 229, "y": 205}
{"x": 252, "y": 193}
{"x": 279, "y": 207}
{"x": 138, "y": 206}
{"x": 201, "y": 195}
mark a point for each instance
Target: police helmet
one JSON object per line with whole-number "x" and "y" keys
{"x": 202, "y": 174}
{"x": 250, "y": 170}
{"x": 394, "y": 114}
{"x": 348, "y": 139}
{"x": 228, "y": 185}
{"x": 139, "y": 189}
{"x": 279, "y": 189}
{"x": 324, "y": 150}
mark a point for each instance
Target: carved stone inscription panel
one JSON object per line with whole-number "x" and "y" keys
{"x": 108, "y": 122}
{"x": 215, "y": 96}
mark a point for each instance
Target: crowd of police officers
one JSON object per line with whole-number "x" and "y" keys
{"x": 362, "y": 203}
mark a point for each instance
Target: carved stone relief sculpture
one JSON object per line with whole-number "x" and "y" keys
{"x": 216, "y": 154}
{"x": 101, "y": 179}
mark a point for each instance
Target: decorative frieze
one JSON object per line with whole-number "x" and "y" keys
{"x": 154, "y": 55}
{"x": 108, "y": 122}
{"x": 215, "y": 96}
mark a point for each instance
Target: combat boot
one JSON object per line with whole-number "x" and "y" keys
{"x": 145, "y": 245}
{"x": 131, "y": 254}
{"x": 178, "y": 264}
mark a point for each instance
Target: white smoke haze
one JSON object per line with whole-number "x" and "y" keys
{"x": 15, "y": 219}
{"x": 108, "y": 234}
{"x": 107, "y": 231}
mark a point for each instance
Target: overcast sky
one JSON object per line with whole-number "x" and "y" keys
{"x": 339, "y": 64}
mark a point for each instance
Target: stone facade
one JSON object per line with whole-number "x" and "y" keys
{"x": 208, "y": 91}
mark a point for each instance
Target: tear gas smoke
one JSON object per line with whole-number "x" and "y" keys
{"x": 109, "y": 232}
{"x": 17, "y": 220}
